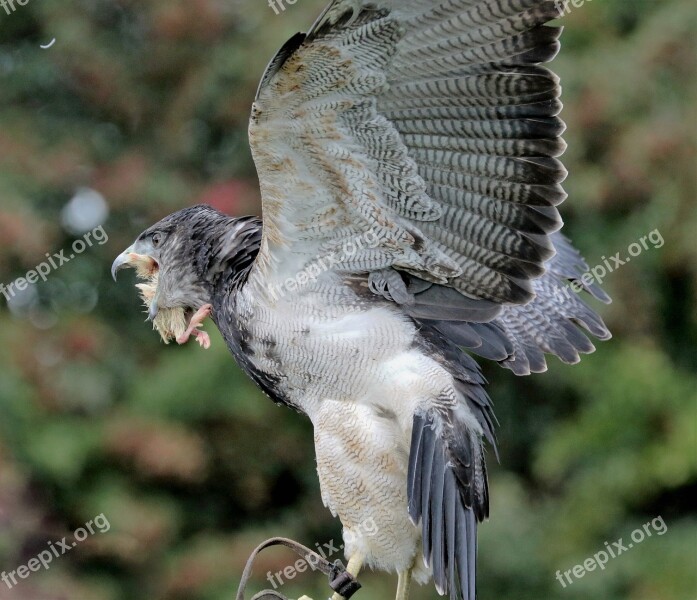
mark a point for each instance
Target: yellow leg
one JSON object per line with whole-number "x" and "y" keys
{"x": 404, "y": 584}
{"x": 354, "y": 567}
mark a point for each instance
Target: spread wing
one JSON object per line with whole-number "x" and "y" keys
{"x": 429, "y": 126}
{"x": 430, "y": 129}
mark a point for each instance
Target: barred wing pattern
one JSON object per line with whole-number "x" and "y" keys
{"x": 548, "y": 324}
{"x": 429, "y": 124}
{"x": 433, "y": 126}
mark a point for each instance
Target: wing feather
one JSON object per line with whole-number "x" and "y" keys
{"x": 448, "y": 508}
{"x": 431, "y": 125}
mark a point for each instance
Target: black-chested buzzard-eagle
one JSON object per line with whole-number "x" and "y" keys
{"x": 407, "y": 153}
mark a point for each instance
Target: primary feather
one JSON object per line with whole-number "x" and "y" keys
{"x": 408, "y": 158}
{"x": 433, "y": 126}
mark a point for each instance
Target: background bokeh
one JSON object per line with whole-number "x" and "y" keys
{"x": 139, "y": 109}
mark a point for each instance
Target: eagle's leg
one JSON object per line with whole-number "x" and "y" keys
{"x": 354, "y": 568}
{"x": 403, "y": 585}
{"x": 193, "y": 329}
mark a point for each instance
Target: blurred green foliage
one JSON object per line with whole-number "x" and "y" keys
{"x": 146, "y": 104}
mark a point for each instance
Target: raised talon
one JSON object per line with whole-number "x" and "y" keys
{"x": 196, "y": 321}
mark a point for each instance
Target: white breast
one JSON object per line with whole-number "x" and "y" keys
{"x": 355, "y": 370}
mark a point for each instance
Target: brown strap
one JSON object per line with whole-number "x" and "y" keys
{"x": 340, "y": 580}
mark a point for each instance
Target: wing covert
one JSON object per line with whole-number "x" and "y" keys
{"x": 433, "y": 127}
{"x": 430, "y": 125}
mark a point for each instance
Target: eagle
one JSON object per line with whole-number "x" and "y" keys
{"x": 408, "y": 159}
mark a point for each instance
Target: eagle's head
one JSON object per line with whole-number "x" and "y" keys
{"x": 181, "y": 260}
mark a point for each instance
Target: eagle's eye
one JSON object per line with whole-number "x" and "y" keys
{"x": 156, "y": 239}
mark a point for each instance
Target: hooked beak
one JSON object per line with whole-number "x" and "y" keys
{"x": 123, "y": 260}
{"x": 144, "y": 264}
{"x": 141, "y": 262}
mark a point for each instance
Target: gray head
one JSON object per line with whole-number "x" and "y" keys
{"x": 185, "y": 260}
